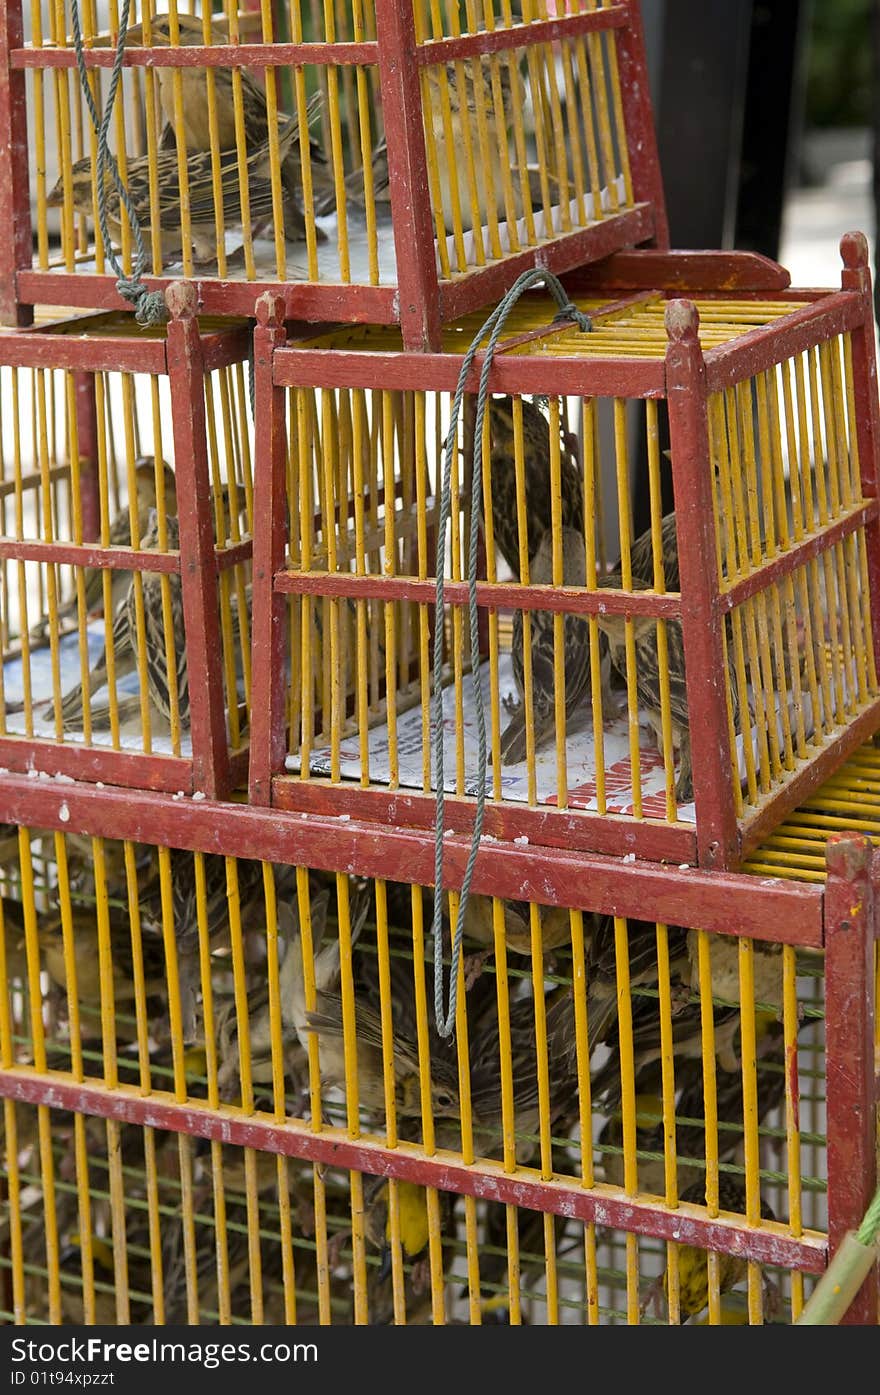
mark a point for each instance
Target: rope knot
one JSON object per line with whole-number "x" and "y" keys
{"x": 149, "y": 306}
{"x": 578, "y": 317}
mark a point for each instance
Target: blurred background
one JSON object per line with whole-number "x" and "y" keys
{"x": 768, "y": 125}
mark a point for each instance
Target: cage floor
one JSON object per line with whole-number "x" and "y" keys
{"x": 349, "y": 262}
{"x": 847, "y": 803}
{"x": 580, "y": 755}
{"x": 131, "y": 736}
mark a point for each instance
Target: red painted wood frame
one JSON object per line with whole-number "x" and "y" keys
{"x": 186, "y": 355}
{"x": 420, "y": 302}
{"x": 686, "y": 377}
{"x": 839, "y": 918}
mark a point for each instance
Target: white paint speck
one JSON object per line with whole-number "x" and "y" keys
{"x": 683, "y": 866}
{"x": 629, "y": 857}
{"x": 64, "y": 779}
{"x": 523, "y": 841}
{"x": 198, "y": 794}
{"x": 345, "y": 818}
{"x": 64, "y": 814}
{"x": 179, "y": 795}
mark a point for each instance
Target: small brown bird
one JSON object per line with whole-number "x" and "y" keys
{"x": 641, "y": 555}
{"x": 202, "y": 208}
{"x": 125, "y": 646}
{"x": 462, "y": 89}
{"x": 197, "y": 122}
{"x": 536, "y": 450}
{"x": 555, "y": 921}
{"x": 647, "y": 676}
{"x": 542, "y": 626}
{"x": 693, "y": 1265}
{"x": 602, "y": 967}
{"x": 119, "y": 534}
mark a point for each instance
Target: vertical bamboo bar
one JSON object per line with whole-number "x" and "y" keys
{"x": 853, "y": 873}
{"x": 268, "y": 742}
{"x": 198, "y": 570}
{"x": 701, "y": 619}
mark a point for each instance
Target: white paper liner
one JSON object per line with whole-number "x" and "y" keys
{"x": 329, "y": 271}
{"x": 130, "y": 734}
{"x": 579, "y": 748}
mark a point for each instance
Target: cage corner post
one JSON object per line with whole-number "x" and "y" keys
{"x": 198, "y": 563}
{"x": 701, "y": 616}
{"x": 851, "y": 1109}
{"x": 638, "y": 114}
{"x": 418, "y": 292}
{"x": 15, "y": 212}
{"x": 856, "y": 276}
{"x": 267, "y": 745}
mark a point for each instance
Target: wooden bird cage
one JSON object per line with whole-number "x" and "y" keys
{"x": 551, "y": 1160}
{"x": 409, "y": 203}
{"x": 125, "y": 492}
{"x": 763, "y": 654}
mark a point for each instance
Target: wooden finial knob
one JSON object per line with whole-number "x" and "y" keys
{"x": 682, "y": 320}
{"x": 182, "y": 300}
{"x": 854, "y": 250}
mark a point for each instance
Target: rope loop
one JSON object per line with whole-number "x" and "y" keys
{"x": 493, "y": 327}
{"x": 150, "y": 308}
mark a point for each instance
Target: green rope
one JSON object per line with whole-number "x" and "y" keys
{"x": 869, "y": 1231}
{"x": 493, "y": 327}
{"x": 149, "y": 306}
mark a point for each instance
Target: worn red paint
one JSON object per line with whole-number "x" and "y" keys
{"x": 702, "y": 633}
{"x": 786, "y": 912}
{"x": 851, "y": 1112}
{"x": 600, "y": 1205}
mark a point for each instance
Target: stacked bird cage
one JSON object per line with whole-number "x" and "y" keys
{"x": 388, "y": 163}
{"x": 225, "y": 1099}
{"x": 672, "y": 694}
{"x": 126, "y": 500}
{"x": 227, "y": 925}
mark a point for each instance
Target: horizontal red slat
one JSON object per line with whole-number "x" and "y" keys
{"x": 730, "y": 903}
{"x": 762, "y": 348}
{"x": 580, "y": 830}
{"x": 167, "y": 774}
{"x": 202, "y": 56}
{"x": 85, "y": 352}
{"x": 417, "y": 372}
{"x": 89, "y": 555}
{"x": 318, "y": 303}
{"x": 683, "y": 271}
{"x": 435, "y": 51}
{"x": 602, "y": 1205}
{"x": 231, "y": 554}
{"x": 798, "y": 555}
{"x": 501, "y": 595}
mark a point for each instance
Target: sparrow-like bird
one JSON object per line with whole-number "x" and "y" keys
{"x": 197, "y": 124}
{"x": 647, "y": 676}
{"x": 542, "y": 627}
{"x": 536, "y": 450}
{"x": 200, "y": 179}
{"x": 119, "y": 535}
{"x": 125, "y": 645}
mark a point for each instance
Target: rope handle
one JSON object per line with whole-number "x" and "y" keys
{"x": 445, "y": 1021}
{"x": 857, "y": 1253}
{"x": 149, "y": 306}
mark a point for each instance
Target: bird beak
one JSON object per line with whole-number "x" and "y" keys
{"x": 385, "y": 1265}
{"x": 55, "y": 197}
